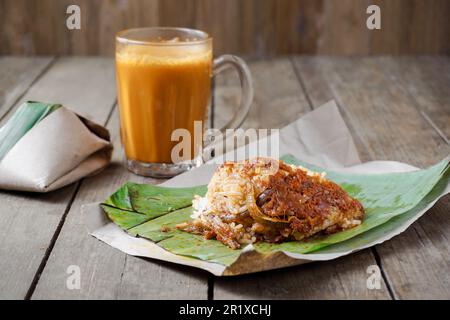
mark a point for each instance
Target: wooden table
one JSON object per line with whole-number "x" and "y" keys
{"x": 396, "y": 108}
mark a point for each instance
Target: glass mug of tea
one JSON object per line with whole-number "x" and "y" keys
{"x": 164, "y": 84}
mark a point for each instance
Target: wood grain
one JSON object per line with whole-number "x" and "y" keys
{"x": 344, "y": 278}
{"x": 107, "y": 273}
{"x": 279, "y": 100}
{"x": 343, "y": 28}
{"x": 212, "y": 15}
{"x": 427, "y": 80}
{"x": 259, "y": 28}
{"x": 382, "y": 99}
{"x": 28, "y": 221}
{"x": 414, "y": 27}
{"x": 17, "y": 74}
{"x": 417, "y": 261}
{"x": 378, "y": 108}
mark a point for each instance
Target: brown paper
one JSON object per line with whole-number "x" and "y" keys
{"x": 61, "y": 149}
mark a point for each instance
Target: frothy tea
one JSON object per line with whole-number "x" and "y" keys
{"x": 161, "y": 88}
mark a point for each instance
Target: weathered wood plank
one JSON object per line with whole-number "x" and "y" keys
{"x": 340, "y": 19}
{"x": 85, "y": 85}
{"x": 17, "y": 74}
{"x": 212, "y": 15}
{"x": 107, "y": 273}
{"x": 29, "y": 221}
{"x": 344, "y": 278}
{"x": 417, "y": 261}
{"x": 384, "y": 112}
{"x": 279, "y": 100}
{"x": 427, "y": 79}
{"x": 406, "y": 27}
{"x": 379, "y": 110}
{"x": 252, "y": 27}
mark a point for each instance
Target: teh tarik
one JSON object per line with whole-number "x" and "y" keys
{"x": 162, "y": 86}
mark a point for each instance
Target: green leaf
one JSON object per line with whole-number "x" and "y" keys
{"x": 155, "y": 200}
{"x": 195, "y": 246}
{"x": 162, "y": 230}
{"x": 23, "y": 120}
{"x": 162, "y": 227}
{"x": 134, "y": 204}
{"x": 124, "y": 219}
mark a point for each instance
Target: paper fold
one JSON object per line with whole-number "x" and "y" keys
{"x": 61, "y": 149}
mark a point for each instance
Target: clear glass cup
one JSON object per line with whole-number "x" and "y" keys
{"x": 164, "y": 84}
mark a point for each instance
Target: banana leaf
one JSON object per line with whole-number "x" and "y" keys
{"x": 134, "y": 204}
{"x": 152, "y": 212}
{"x": 25, "y": 118}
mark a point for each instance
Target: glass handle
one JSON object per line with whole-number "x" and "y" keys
{"x": 224, "y": 62}
{"x": 220, "y": 64}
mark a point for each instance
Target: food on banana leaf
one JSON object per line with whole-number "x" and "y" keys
{"x": 268, "y": 200}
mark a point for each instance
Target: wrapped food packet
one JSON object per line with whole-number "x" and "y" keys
{"x": 46, "y": 146}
